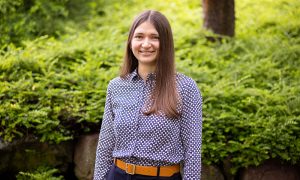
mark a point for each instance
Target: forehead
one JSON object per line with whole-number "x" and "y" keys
{"x": 146, "y": 28}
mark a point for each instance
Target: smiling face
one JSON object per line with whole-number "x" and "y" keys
{"x": 145, "y": 44}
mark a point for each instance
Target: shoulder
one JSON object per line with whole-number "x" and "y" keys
{"x": 185, "y": 82}
{"x": 118, "y": 83}
{"x": 115, "y": 83}
{"x": 187, "y": 87}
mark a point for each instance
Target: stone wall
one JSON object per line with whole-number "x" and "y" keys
{"x": 75, "y": 159}
{"x": 28, "y": 154}
{"x": 271, "y": 170}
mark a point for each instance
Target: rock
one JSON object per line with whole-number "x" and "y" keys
{"x": 84, "y": 156}
{"x": 208, "y": 172}
{"x": 271, "y": 170}
{"x": 211, "y": 173}
{"x": 28, "y": 154}
{"x": 227, "y": 165}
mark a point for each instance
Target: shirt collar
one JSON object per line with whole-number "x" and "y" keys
{"x": 135, "y": 75}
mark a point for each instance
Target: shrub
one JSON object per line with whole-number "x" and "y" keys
{"x": 41, "y": 173}
{"x": 55, "y": 88}
{"x": 26, "y": 19}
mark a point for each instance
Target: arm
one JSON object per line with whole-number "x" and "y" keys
{"x": 191, "y": 131}
{"x": 106, "y": 142}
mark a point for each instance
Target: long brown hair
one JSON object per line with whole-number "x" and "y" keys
{"x": 165, "y": 97}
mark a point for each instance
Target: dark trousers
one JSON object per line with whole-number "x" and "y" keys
{"x": 116, "y": 173}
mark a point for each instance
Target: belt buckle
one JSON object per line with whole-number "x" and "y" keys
{"x": 133, "y": 168}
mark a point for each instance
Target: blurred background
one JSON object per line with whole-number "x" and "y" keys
{"x": 57, "y": 57}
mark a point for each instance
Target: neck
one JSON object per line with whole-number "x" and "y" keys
{"x": 145, "y": 70}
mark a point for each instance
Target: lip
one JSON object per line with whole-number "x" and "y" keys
{"x": 146, "y": 52}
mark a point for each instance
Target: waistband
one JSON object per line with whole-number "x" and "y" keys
{"x": 162, "y": 171}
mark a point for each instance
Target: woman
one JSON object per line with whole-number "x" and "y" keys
{"x": 153, "y": 115}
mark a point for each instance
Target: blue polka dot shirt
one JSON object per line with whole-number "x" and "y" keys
{"x": 153, "y": 140}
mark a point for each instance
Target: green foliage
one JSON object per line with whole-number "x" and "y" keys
{"x": 41, "y": 173}
{"x": 251, "y": 93}
{"x": 55, "y": 88}
{"x": 27, "y": 19}
{"x": 54, "y": 95}
{"x": 23, "y": 19}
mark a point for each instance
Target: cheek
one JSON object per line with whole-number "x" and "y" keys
{"x": 156, "y": 45}
{"x": 134, "y": 49}
{"x": 134, "y": 45}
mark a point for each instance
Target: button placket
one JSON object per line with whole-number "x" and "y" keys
{"x": 141, "y": 96}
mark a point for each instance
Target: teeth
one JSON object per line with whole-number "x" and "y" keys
{"x": 146, "y": 51}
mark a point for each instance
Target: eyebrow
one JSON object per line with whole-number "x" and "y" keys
{"x": 141, "y": 33}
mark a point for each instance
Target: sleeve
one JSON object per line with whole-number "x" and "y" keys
{"x": 191, "y": 131}
{"x": 104, "y": 159}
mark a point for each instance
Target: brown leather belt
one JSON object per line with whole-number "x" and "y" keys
{"x": 164, "y": 171}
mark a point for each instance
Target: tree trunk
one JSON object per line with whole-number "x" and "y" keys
{"x": 219, "y": 16}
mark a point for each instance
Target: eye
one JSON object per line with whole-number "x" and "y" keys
{"x": 155, "y": 37}
{"x": 138, "y": 37}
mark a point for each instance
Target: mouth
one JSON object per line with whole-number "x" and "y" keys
{"x": 146, "y": 52}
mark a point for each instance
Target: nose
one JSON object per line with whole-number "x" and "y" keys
{"x": 146, "y": 43}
